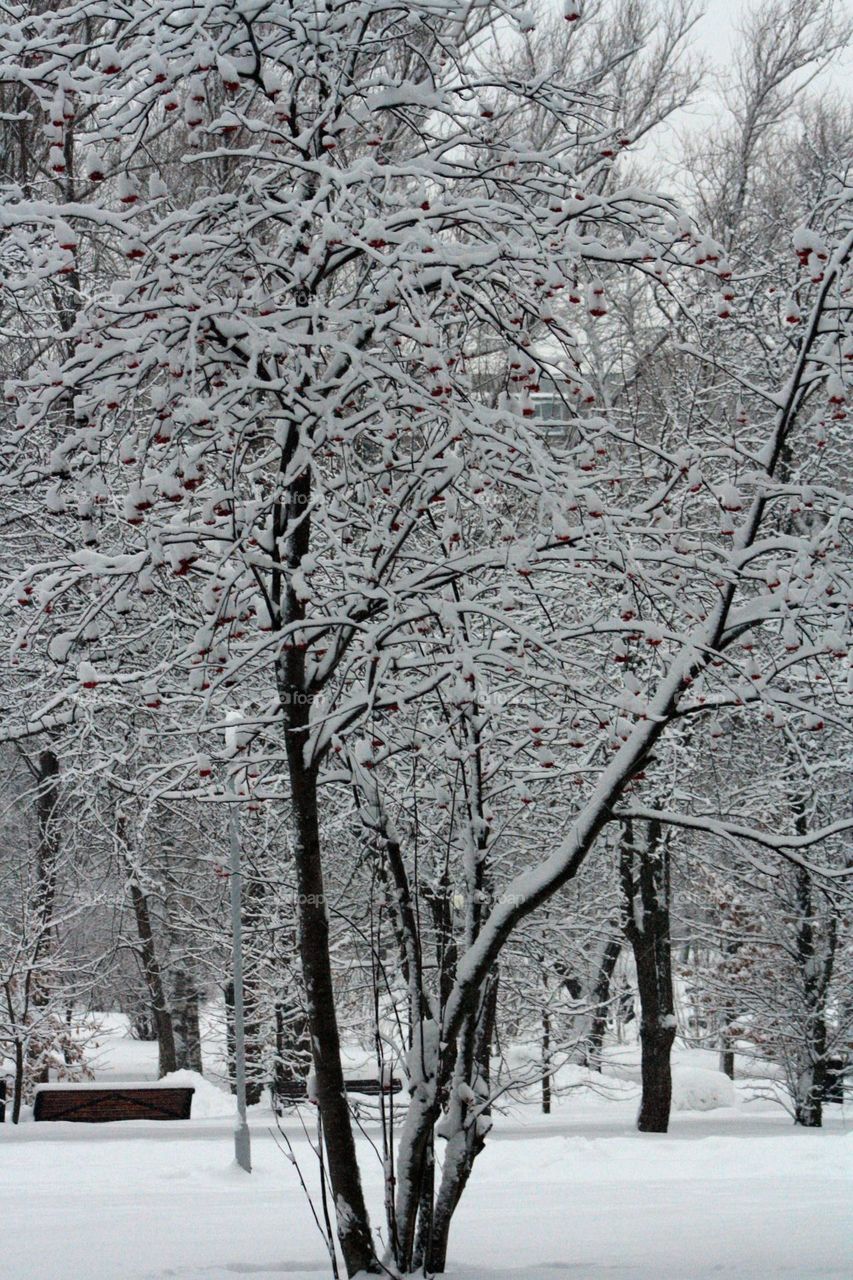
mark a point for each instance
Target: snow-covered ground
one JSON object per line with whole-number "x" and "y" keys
{"x": 730, "y": 1192}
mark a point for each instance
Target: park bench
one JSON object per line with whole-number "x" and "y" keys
{"x": 293, "y": 1091}
{"x": 94, "y": 1103}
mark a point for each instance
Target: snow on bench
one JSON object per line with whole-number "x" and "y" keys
{"x": 94, "y": 1102}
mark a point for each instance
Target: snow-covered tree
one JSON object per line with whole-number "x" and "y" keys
{"x": 292, "y": 514}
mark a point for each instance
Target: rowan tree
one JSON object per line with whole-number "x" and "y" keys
{"x": 302, "y": 515}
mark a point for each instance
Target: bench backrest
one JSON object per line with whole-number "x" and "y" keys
{"x": 154, "y": 1102}
{"x": 296, "y": 1090}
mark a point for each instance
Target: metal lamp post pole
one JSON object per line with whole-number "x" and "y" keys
{"x": 242, "y": 1142}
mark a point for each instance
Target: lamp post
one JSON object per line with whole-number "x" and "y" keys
{"x": 242, "y": 1141}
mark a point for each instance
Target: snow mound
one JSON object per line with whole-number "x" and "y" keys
{"x": 697, "y": 1089}
{"x": 209, "y": 1103}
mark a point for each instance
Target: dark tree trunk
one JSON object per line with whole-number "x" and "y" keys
{"x": 657, "y": 1034}
{"x": 47, "y": 810}
{"x": 152, "y": 973}
{"x": 727, "y": 1048}
{"x": 252, "y": 905}
{"x": 18, "y": 1083}
{"x": 601, "y": 1002}
{"x": 230, "y": 1036}
{"x": 416, "y": 1194}
{"x": 644, "y": 874}
{"x": 546, "y": 1062}
{"x": 816, "y": 960}
{"x": 292, "y": 525}
{"x": 47, "y": 815}
{"x": 344, "y": 1174}
{"x": 353, "y": 1223}
{"x": 808, "y": 1103}
{"x": 254, "y": 1050}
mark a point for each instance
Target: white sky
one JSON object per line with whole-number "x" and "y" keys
{"x": 715, "y": 36}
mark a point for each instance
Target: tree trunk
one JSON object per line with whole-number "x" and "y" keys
{"x": 423, "y": 1238}
{"x": 47, "y": 806}
{"x": 18, "y": 1083}
{"x": 193, "y": 1033}
{"x": 657, "y": 1033}
{"x": 151, "y": 971}
{"x": 416, "y": 1152}
{"x": 601, "y": 1003}
{"x": 292, "y": 524}
{"x": 644, "y": 873}
{"x": 160, "y": 1011}
{"x": 727, "y": 1048}
{"x": 466, "y": 1132}
{"x": 252, "y": 905}
{"x": 292, "y": 1047}
{"x": 809, "y": 1098}
{"x": 352, "y": 1220}
{"x": 816, "y": 960}
{"x": 727, "y": 1059}
{"x": 463, "y": 1142}
{"x": 230, "y": 1036}
{"x": 546, "y": 1063}
{"x": 185, "y": 1021}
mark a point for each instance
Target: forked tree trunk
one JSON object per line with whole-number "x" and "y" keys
{"x": 463, "y": 1143}
{"x": 466, "y": 1135}
{"x": 416, "y": 1157}
{"x": 644, "y": 874}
